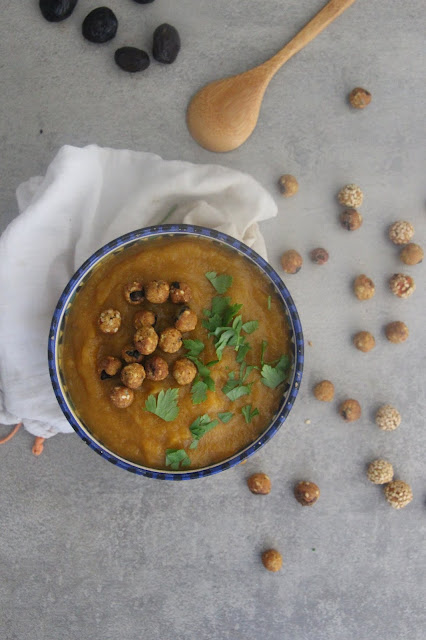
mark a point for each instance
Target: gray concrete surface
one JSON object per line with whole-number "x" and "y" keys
{"x": 91, "y": 552}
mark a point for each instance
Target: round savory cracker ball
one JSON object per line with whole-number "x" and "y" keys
{"x": 122, "y": 397}
{"x": 108, "y": 367}
{"x": 156, "y": 368}
{"x": 411, "y": 254}
{"x": 133, "y": 375}
{"x": 350, "y": 410}
{"x": 184, "y": 371}
{"x": 186, "y": 320}
{"x": 306, "y": 493}
{"x": 130, "y": 354}
{"x": 364, "y": 288}
{"x": 398, "y": 494}
{"x": 351, "y": 219}
{"x": 396, "y": 331}
{"x": 401, "y": 232}
{"x": 134, "y": 292}
{"x": 180, "y": 293}
{"x": 146, "y": 340}
{"x": 272, "y": 560}
{"x": 288, "y": 185}
{"x": 259, "y": 483}
{"x": 401, "y": 285}
{"x": 319, "y": 255}
{"x": 291, "y": 261}
{"x": 170, "y": 340}
{"x": 359, "y": 98}
{"x": 144, "y": 318}
{"x": 157, "y": 291}
{"x": 388, "y": 418}
{"x": 109, "y": 321}
{"x": 380, "y": 471}
{"x": 350, "y": 196}
{"x": 364, "y": 341}
{"x": 324, "y": 391}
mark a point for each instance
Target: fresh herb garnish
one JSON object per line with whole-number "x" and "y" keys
{"x": 200, "y": 427}
{"x": 176, "y": 458}
{"x": 225, "y": 326}
{"x": 234, "y": 390}
{"x": 225, "y": 417}
{"x": 242, "y": 352}
{"x": 236, "y": 387}
{"x": 250, "y": 326}
{"x": 194, "y": 347}
{"x": 248, "y": 413}
{"x": 262, "y": 352}
{"x": 273, "y": 376}
{"x": 199, "y": 392}
{"x": 269, "y": 303}
{"x": 203, "y": 381}
{"x": 221, "y": 283}
{"x": 165, "y": 406}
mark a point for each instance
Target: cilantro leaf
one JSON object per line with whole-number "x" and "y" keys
{"x": 243, "y": 351}
{"x": 248, "y": 413}
{"x": 176, "y": 457}
{"x": 250, "y": 326}
{"x": 230, "y": 312}
{"x": 194, "y": 347}
{"x": 269, "y": 303}
{"x": 225, "y": 417}
{"x": 221, "y": 283}
{"x": 200, "y": 427}
{"x": 273, "y": 376}
{"x": 237, "y": 391}
{"x": 262, "y": 354}
{"x": 199, "y": 392}
{"x": 219, "y": 305}
{"x": 225, "y": 326}
{"x": 165, "y": 406}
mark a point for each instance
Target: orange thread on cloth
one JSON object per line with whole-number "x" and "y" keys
{"x": 12, "y": 433}
{"x": 38, "y": 446}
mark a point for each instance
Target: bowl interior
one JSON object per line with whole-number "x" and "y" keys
{"x": 118, "y": 245}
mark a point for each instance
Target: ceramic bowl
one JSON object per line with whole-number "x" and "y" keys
{"x": 290, "y": 389}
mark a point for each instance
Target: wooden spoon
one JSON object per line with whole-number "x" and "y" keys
{"x": 223, "y": 114}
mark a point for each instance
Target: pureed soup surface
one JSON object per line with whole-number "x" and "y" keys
{"x": 134, "y": 433}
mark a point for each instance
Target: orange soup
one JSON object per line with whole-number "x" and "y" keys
{"x": 241, "y": 353}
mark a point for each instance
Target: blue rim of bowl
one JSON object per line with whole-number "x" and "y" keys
{"x": 56, "y": 332}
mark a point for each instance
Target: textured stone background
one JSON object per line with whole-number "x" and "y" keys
{"x": 89, "y": 551}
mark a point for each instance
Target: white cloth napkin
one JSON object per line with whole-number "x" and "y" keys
{"x": 88, "y": 197}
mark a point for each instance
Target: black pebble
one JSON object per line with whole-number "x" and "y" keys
{"x": 100, "y": 25}
{"x": 132, "y": 59}
{"x": 57, "y": 10}
{"x": 166, "y": 44}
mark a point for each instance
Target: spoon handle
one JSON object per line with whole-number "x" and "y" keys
{"x": 323, "y": 18}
